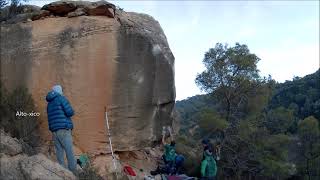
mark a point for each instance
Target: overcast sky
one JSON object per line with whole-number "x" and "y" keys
{"x": 284, "y": 34}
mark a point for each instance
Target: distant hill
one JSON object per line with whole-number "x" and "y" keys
{"x": 301, "y": 94}
{"x": 189, "y": 109}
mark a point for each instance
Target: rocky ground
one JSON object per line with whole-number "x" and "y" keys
{"x": 15, "y": 164}
{"x": 142, "y": 162}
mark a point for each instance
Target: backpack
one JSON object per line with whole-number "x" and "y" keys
{"x": 211, "y": 169}
{"x": 179, "y": 160}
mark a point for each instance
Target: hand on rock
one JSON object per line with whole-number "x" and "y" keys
{"x": 163, "y": 131}
{"x": 170, "y": 130}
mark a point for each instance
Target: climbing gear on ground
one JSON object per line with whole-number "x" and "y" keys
{"x": 83, "y": 160}
{"x": 148, "y": 178}
{"x": 129, "y": 171}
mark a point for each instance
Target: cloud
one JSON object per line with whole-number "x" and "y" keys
{"x": 195, "y": 20}
{"x": 246, "y": 32}
{"x": 39, "y": 3}
{"x": 284, "y": 63}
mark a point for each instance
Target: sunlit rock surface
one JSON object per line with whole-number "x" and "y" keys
{"x": 122, "y": 63}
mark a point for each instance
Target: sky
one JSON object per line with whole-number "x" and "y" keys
{"x": 283, "y": 34}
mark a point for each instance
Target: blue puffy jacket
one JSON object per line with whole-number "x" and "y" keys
{"x": 59, "y": 112}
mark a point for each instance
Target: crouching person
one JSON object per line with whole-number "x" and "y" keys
{"x": 208, "y": 166}
{"x": 59, "y": 113}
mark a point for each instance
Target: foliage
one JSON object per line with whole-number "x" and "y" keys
{"x": 10, "y": 8}
{"x": 232, "y": 74}
{"x": 279, "y": 120}
{"x": 89, "y": 173}
{"x": 302, "y": 95}
{"x": 309, "y": 133}
{"x": 189, "y": 110}
{"x": 211, "y": 121}
{"x": 189, "y": 149}
{"x": 226, "y": 67}
{"x": 21, "y": 127}
{"x": 3, "y": 3}
{"x": 260, "y": 119}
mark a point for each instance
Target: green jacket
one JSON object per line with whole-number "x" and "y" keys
{"x": 208, "y": 166}
{"x": 169, "y": 152}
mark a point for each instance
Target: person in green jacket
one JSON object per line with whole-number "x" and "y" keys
{"x": 208, "y": 166}
{"x": 169, "y": 154}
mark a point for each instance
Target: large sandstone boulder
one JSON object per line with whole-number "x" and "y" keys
{"x": 122, "y": 63}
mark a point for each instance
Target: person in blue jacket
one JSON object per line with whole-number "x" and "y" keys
{"x": 59, "y": 113}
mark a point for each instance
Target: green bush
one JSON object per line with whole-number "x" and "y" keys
{"x": 192, "y": 153}
{"x": 89, "y": 173}
{"x": 24, "y": 128}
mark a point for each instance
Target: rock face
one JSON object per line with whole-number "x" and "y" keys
{"x": 10, "y": 146}
{"x": 122, "y": 63}
{"x": 99, "y": 8}
{"x": 20, "y": 166}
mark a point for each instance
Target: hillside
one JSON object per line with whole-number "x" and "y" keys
{"x": 278, "y": 140}
{"x": 301, "y": 94}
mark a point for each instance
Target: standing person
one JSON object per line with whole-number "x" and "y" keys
{"x": 59, "y": 113}
{"x": 208, "y": 166}
{"x": 169, "y": 148}
{"x": 168, "y": 156}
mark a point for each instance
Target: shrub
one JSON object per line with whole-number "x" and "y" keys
{"x": 24, "y": 128}
{"x": 10, "y": 8}
{"x": 193, "y": 156}
{"x": 89, "y": 173}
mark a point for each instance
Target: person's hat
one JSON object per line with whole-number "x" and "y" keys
{"x": 57, "y": 89}
{"x": 205, "y": 141}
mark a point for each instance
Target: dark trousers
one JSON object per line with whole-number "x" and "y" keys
{"x": 169, "y": 166}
